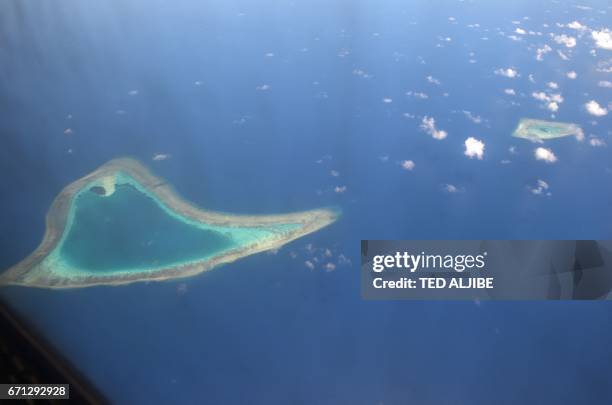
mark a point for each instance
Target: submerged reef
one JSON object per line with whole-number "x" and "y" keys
{"x": 540, "y": 130}
{"x": 122, "y": 224}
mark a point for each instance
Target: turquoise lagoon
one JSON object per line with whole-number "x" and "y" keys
{"x": 131, "y": 230}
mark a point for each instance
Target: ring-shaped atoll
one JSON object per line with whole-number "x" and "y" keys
{"x": 121, "y": 224}
{"x": 541, "y": 130}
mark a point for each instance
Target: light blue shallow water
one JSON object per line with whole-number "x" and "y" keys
{"x": 129, "y": 230}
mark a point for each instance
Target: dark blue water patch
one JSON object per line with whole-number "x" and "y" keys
{"x": 129, "y": 230}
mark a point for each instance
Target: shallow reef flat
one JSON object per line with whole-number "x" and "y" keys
{"x": 121, "y": 224}
{"x": 540, "y": 130}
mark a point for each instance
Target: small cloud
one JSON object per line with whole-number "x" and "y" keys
{"x": 605, "y": 84}
{"x": 595, "y": 109}
{"x": 407, "y": 165}
{"x": 342, "y": 53}
{"x": 362, "y": 73}
{"x": 429, "y": 125}
{"x": 510, "y": 92}
{"x": 551, "y": 101}
{"x": 544, "y": 154}
{"x": 340, "y": 189}
{"x": 451, "y": 188}
{"x": 597, "y": 142}
{"x": 539, "y": 96}
{"x": 334, "y": 173}
{"x": 132, "y": 93}
{"x": 342, "y": 260}
{"x": 160, "y": 156}
{"x": 541, "y": 188}
{"x": 520, "y": 31}
{"x": 68, "y": 131}
{"x": 263, "y": 87}
{"x": 566, "y": 40}
{"x": 603, "y": 38}
{"x": 571, "y": 75}
{"x": 476, "y": 119}
{"x": 508, "y": 72}
{"x": 562, "y": 55}
{"x": 387, "y": 100}
{"x": 417, "y": 94}
{"x": 309, "y": 264}
{"x": 474, "y": 148}
{"x": 575, "y": 25}
{"x": 540, "y": 52}
{"x": 433, "y": 80}
{"x": 329, "y": 267}
{"x": 553, "y": 85}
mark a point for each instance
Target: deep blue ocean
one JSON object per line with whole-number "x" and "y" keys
{"x": 279, "y": 106}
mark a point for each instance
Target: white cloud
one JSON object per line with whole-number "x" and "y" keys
{"x": 540, "y": 96}
{"x": 562, "y": 55}
{"x": 510, "y": 92}
{"x": 450, "y": 188}
{"x": 605, "y": 84}
{"x": 263, "y": 87}
{"x": 558, "y": 98}
{"x": 540, "y": 52}
{"x": 595, "y": 109}
{"x": 429, "y": 125}
{"x": 546, "y": 155}
{"x": 160, "y": 156}
{"x": 433, "y": 80}
{"x": 571, "y": 75}
{"x": 566, "y": 40}
{"x": 552, "y": 85}
{"x": 476, "y": 119}
{"x": 133, "y": 93}
{"x": 309, "y": 264}
{"x": 603, "y": 38}
{"x": 407, "y": 164}
{"x": 541, "y": 188}
{"x": 387, "y": 100}
{"x": 597, "y": 142}
{"x": 362, "y": 73}
{"x": 340, "y": 189}
{"x": 520, "y": 31}
{"x": 329, "y": 267}
{"x": 575, "y": 25}
{"x": 474, "y": 148}
{"x": 551, "y": 101}
{"x": 417, "y": 94}
{"x": 508, "y": 72}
